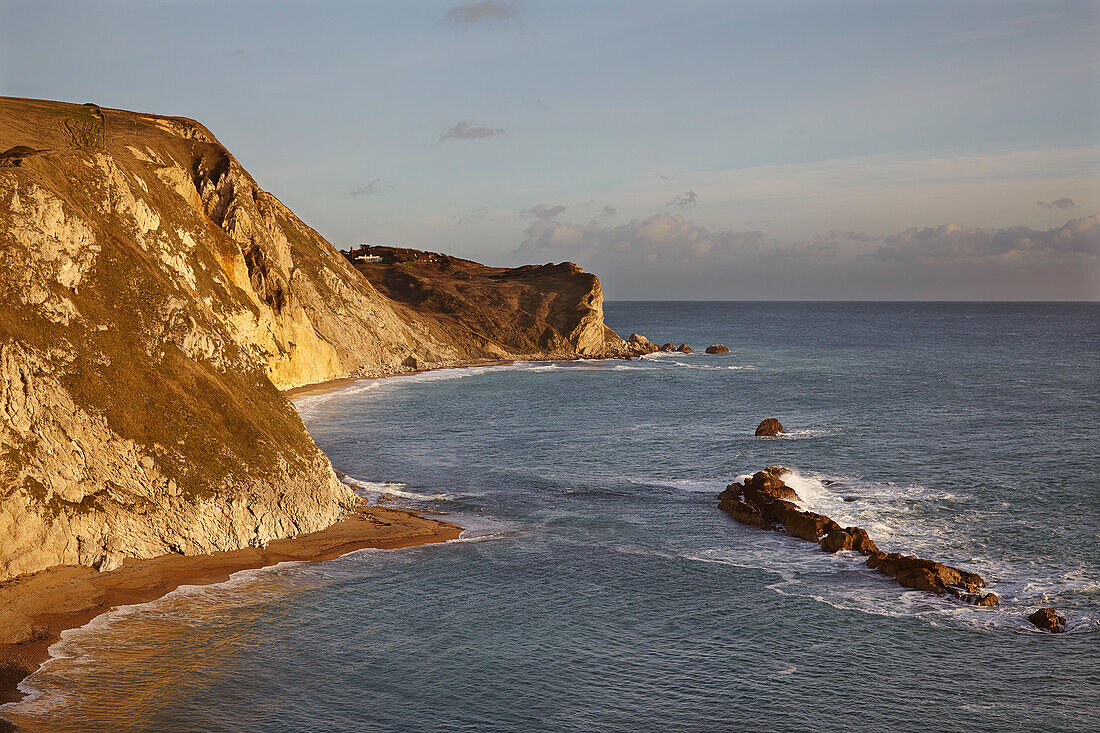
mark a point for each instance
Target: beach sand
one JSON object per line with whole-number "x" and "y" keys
{"x": 35, "y": 609}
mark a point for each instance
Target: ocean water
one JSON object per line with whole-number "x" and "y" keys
{"x": 598, "y": 587}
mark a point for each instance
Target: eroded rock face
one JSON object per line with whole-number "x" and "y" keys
{"x": 1048, "y": 619}
{"x": 717, "y": 349}
{"x": 769, "y": 428}
{"x": 765, "y": 501}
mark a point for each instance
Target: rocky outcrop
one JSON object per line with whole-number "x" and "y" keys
{"x": 535, "y": 311}
{"x": 766, "y": 502}
{"x": 717, "y": 349}
{"x": 769, "y": 428}
{"x": 685, "y": 349}
{"x": 639, "y": 345}
{"x": 1048, "y": 619}
{"x": 154, "y": 300}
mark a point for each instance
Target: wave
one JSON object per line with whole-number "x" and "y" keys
{"x": 378, "y": 489}
{"x": 308, "y": 404}
{"x": 668, "y": 363}
{"x": 804, "y": 434}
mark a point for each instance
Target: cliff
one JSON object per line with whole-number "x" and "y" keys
{"x": 535, "y": 310}
{"x": 153, "y": 303}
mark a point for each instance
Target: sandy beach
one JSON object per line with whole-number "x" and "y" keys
{"x": 35, "y": 609}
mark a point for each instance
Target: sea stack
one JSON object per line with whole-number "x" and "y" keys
{"x": 769, "y": 428}
{"x": 1048, "y": 619}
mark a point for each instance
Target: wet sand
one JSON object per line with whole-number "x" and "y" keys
{"x": 36, "y": 608}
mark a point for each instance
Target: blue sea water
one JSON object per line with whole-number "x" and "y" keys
{"x": 598, "y": 587}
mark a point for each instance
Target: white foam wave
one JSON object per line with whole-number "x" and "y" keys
{"x": 669, "y": 363}
{"x": 693, "y": 485}
{"x": 661, "y": 355}
{"x": 378, "y": 489}
{"x": 309, "y": 404}
{"x": 488, "y": 537}
{"x": 803, "y": 434}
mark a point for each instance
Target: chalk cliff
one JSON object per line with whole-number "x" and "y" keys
{"x": 153, "y": 303}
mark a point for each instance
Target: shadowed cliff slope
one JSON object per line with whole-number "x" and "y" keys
{"x": 153, "y": 302}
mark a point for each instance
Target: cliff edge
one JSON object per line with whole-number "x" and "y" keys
{"x": 153, "y": 303}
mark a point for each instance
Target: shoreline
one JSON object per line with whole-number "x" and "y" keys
{"x": 329, "y": 385}
{"x": 36, "y": 608}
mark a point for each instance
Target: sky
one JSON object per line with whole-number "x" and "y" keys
{"x": 687, "y": 150}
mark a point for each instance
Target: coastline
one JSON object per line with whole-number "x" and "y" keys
{"x": 36, "y": 608}
{"x": 316, "y": 388}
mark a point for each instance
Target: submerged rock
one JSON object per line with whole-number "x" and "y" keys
{"x": 717, "y": 349}
{"x": 769, "y": 428}
{"x": 764, "y": 500}
{"x": 1048, "y": 619}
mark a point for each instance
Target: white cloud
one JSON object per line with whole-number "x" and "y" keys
{"x": 661, "y": 237}
{"x": 466, "y": 130}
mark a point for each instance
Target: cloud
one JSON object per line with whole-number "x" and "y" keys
{"x": 466, "y": 130}
{"x": 954, "y": 244}
{"x": 661, "y": 237}
{"x": 375, "y": 187}
{"x": 485, "y": 10}
{"x": 543, "y": 212}
{"x": 1062, "y": 203}
{"x": 672, "y": 236}
{"x": 608, "y": 211}
{"x": 684, "y": 200}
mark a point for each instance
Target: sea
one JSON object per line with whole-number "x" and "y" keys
{"x": 597, "y": 586}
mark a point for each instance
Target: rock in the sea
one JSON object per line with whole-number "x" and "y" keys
{"x": 1048, "y": 619}
{"x": 849, "y": 538}
{"x": 668, "y": 347}
{"x": 764, "y": 500}
{"x": 685, "y": 349}
{"x": 927, "y": 575}
{"x": 767, "y": 484}
{"x": 769, "y": 428}
{"x": 639, "y": 344}
{"x": 804, "y": 525}
{"x": 717, "y": 349}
